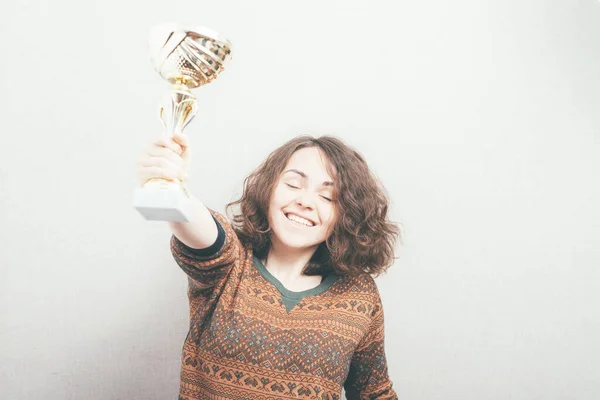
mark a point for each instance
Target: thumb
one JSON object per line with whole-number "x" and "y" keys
{"x": 182, "y": 140}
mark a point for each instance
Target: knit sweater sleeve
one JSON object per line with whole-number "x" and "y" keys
{"x": 368, "y": 376}
{"x": 206, "y": 267}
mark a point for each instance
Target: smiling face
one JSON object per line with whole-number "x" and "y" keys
{"x": 301, "y": 210}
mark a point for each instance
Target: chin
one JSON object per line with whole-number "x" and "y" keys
{"x": 294, "y": 240}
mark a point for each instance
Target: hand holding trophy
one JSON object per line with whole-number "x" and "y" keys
{"x": 187, "y": 59}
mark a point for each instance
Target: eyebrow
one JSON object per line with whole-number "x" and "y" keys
{"x": 302, "y": 174}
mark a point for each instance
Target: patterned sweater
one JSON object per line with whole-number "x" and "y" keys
{"x": 251, "y": 338}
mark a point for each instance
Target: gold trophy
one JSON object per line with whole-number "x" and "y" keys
{"x": 187, "y": 59}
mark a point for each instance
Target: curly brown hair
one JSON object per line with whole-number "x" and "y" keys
{"x": 362, "y": 239}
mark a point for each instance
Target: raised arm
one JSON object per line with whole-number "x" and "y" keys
{"x": 206, "y": 246}
{"x": 201, "y": 232}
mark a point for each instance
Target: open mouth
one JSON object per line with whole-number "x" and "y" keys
{"x": 299, "y": 221}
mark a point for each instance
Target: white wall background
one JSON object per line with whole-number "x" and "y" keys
{"x": 480, "y": 117}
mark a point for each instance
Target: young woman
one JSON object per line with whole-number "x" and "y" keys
{"x": 282, "y": 301}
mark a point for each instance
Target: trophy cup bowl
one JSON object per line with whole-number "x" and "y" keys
{"x": 187, "y": 58}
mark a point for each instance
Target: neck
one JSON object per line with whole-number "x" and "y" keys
{"x": 285, "y": 264}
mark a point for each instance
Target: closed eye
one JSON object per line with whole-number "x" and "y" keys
{"x": 296, "y": 187}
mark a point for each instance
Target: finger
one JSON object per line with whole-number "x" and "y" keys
{"x": 169, "y": 143}
{"x": 163, "y": 152}
{"x": 160, "y": 162}
{"x": 182, "y": 140}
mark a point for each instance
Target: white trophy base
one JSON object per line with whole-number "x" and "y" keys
{"x": 166, "y": 203}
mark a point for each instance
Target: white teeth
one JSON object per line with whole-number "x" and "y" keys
{"x": 299, "y": 220}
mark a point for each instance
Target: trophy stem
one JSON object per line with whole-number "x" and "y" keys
{"x": 179, "y": 109}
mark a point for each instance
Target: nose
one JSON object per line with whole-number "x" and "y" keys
{"x": 306, "y": 199}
